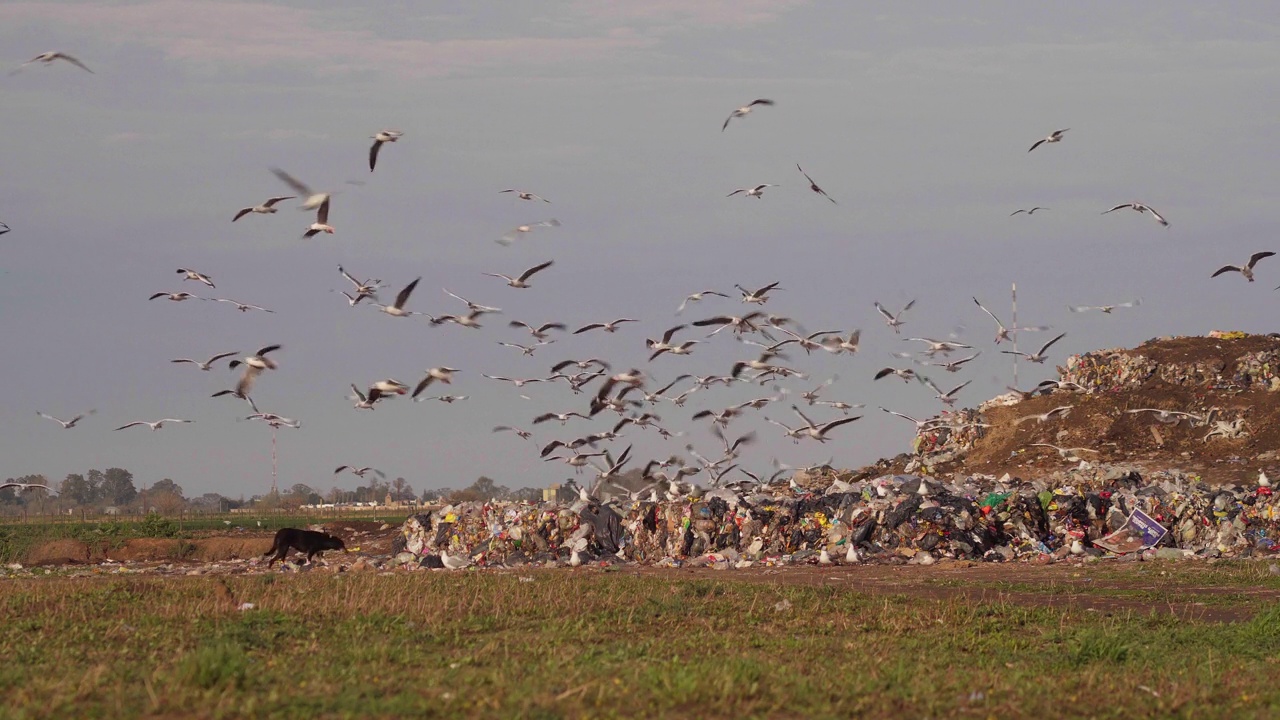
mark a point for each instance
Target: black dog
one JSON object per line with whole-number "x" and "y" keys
{"x": 308, "y": 541}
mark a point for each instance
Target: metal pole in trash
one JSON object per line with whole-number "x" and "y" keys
{"x": 1015, "y": 334}
{"x": 273, "y": 459}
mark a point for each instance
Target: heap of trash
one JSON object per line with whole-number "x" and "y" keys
{"x": 1090, "y": 511}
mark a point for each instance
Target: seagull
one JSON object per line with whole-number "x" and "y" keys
{"x": 1044, "y": 416}
{"x": 1066, "y": 453}
{"x": 538, "y": 333}
{"x": 1142, "y": 209}
{"x": 3, "y": 228}
{"x": 259, "y": 360}
{"x": 23, "y": 486}
{"x": 525, "y": 195}
{"x": 396, "y": 309}
{"x": 207, "y": 365}
{"x": 840, "y": 405}
{"x": 921, "y": 425}
{"x": 744, "y": 110}
{"x": 739, "y": 324}
{"x": 697, "y": 297}
{"x": 939, "y": 346}
{"x": 1104, "y": 308}
{"x": 814, "y": 186}
{"x": 454, "y": 562}
{"x": 266, "y": 208}
{"x": 322, "y": 222}
{"x": 523, "y": 434}
{"x": 313, "y": 199}
{"x": 242, "y": 388}
{"x": 193, "y": 275}
{"x": 473, "y": 307}
{"x": 526, "y": 349}
{"x": 758, "y": 297}
{"x": 838, "y": 344}
{"x": 1170, "y": 417}
{"x": 894, "y": 321}
{"x": 756, "y": 192}
{"x": 812, "y": 430}
{"x": 275, "y": 421}
{"x": 1053, "y": 137}
{"x": 605, "y": 326}
{"x": 154, "y": 425}
{"x": 562, "y": 417}
{"x": 175, "y": 296}
{"x": 1038, "y": 356}
{"x": 359, "y": 472}
{"x": 366, "y": 289}
{"x": 67, "y": 424}
{"x": 658, "y": 347}
{"x": 1002, "y": 332}
{"x": 49, "y": 57}
{"x": 953, "y": 365}
{"x": 511, "y": 236}
{"x": 515, "y": 382}
{"x": 390, "y": 387}
{"x": 906, "y": 373}
{"x": 519, "y": 282}
{"x": 245, "y": 307}
{"x": 363, "y": 401}
{"x": 947, "y": 398}
{"x": 383, "y": 136}
{"x": 1247, "y": 269}
{"x": 1032, "y": 211}
{"x": 443, "y": 374}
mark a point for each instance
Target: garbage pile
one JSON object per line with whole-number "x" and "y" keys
{"x": 1118, "y": 369}
{"x": 892, "y": 519}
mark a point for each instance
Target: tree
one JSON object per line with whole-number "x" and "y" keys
{"x": 166, "y": 502}
{"x": 117, "y": 486}
{"x": 167, "y": 486}
{"x": 301, "y": 489}
{"x": 401, "y": 490}
{"x": 76, "y": 489}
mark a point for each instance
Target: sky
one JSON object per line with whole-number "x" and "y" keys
{"x": 915, "y": 117}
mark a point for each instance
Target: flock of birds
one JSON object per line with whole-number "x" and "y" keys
{"x": 633, "y": 400}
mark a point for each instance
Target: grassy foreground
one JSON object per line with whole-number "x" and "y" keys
{"x": 605, "y": 644}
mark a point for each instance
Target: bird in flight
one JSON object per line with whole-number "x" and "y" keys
{"x": 313, "y": 199}
{"x": 396, "y": 309}
{"x": 1140, "y": 208}
{"x": 894, "y": 321}
{"x": 266, "y": 208}
{"x": 383, "y": 136}
{"x": 814, "y": 186}
{"x": 520, "y": 282}
{"x": 322, "y": 222}
{"x": 153, "y": 425}
{"x": 515, "y": 232}
{"x": 1053, "y": 137}
{"x": 1039, "y": 355}
{"x": 525, "y": 195}
{"x": 1247, "y": 269}
{"x": 1031, "y": 211}
{"x": 1104, "y": 308}
{"x": 756, "y": 192}
{"x": 208, "y": 364}
{"x": 745, "y": 110}
{"x": 193, "y": 275}
{"x": 67, "y": 424}
{"x": 49, "y": 57}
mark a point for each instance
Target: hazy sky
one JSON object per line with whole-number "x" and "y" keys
{"x": 915, "y": 117}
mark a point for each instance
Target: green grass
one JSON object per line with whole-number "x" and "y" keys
{"x": 605, "y": 645}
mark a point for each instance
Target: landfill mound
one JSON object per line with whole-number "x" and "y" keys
{"x": 1224, "y": 386}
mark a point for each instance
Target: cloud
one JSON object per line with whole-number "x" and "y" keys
{"x": 259, "y": 34}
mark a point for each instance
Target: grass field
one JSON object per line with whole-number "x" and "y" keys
{"x": 633, "y": 643}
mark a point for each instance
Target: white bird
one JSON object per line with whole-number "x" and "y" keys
{"x": 1170, "y": 417}
{"x": 1044, "y": 416}
{"x": 322, "y": 222}
{"x": 515, "y": 232}
{"x": 258, "y": 360}
{"x": 1031, "y": 211}
{"x": 894, "y": 321}
{"x": 527, "y": 349}
{"x": 206, "y": 365}
{"x": 396, "y": 309}
{"x": 1263, "y": 480}
{"x": 1053, "y": 137}
{"x": 947, "y": 398}
{"x": 921, "y": 425}
{"x": 523, "y": 434}
{"x": 390, "y": 387}
{"x": 153, "y": 425}
{"x": 24, "y": 486}
{"x": 562, "y": 417}
{"x": 1037, "y": 356}
{"x": 193, "y": 275}
{"x": 1104, "y": 308}
{"x": 905, "y": 373}
{"x": 454, "y": 562}
{"x": 67, "y": 424}
{"x": 1002, "y": 332}
{"x": 744, "y": 111}
{"x": 313, "y": 199}
{"x": 605, "y": 326}
{"x": 175, "y": 296}
{"x": 814, "y": 186}
{"x": 756, "y": 192}
{"x": 366, "y": 401}
{"x": 819, "y": 431}
{"x": 242, "y": 307}
{"x": 266, "y": 208}
{"x": 359, "y": 472}
{"x": 538, "y": 333}
{"x": 383, "y": 136}
{"x": 473, "y": 307}
{"x": 470, "y": 320}
{"x": 275, "y": 421}
{"x": 939, "y": 346}
{"x": 695, "y": 297}
{"x": 757, "y": 297}
{"x": 525, "y": 195}
{"x": 1066, "y": 453}
{"x": 952, "y": 365}
{"x": 520, "y": 282}
{"x": 839, "y": 344}
{"x": 48, "y": 58}
{"x": 1142, "y": 209}
{"x": 441, "y": 374}
{"x": 1247, "y": 269}
{"x": 365, "y": 289}
{"x": 515, "y": 382}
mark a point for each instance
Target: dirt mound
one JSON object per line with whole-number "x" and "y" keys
{"x": 60, "y": 552}
{"x": 1224, "y": 388}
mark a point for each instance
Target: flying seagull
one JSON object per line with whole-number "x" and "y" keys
{"x": 3, "y": 228}
{"x": 744, "y": 110}
{"x": 757, "y": 297}
{"x": 313, "y": 199}
{"x": 1053, "y": 137}
{"x": 266, "y": 208}
{"x": 525, "y": 195}
{"x": 442, "y": 374}
{"x": 515, "y": 232}
{"x": 396, "y": 309}
{"x": 193, "y": 275}
{"x": 242, "y": 307}
{"x": 49, "y": 57}
{"x": 520, "y": 282}
{"x": 1247, "y": 269}
{"x": 1031, "y": 211}
{"x": 322, "y": 222}
{"x": 359, "y": 472}
{"x": 1104, "y": 308}
{"x": 208, "y": 364}
{"x": 67, "y": 424}
{"x": 1140, "y": 208}
{"x": 175, "y": 296}
{"x": 153, "y": 425}
{"x": 23, "y": 486}
{"x": 606, "y": 326}
{"x": 894, "y": 321}
{"x": 1002, "y": 332}
{"x": 695, "y": 297}
{"x": 814, "y": 186}
{"x": 756, "y": 192}
{"x": 383, "y": 136}
{"x": 1037, "y": 356}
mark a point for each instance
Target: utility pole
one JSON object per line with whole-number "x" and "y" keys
{"x": 1014, "y": 334}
